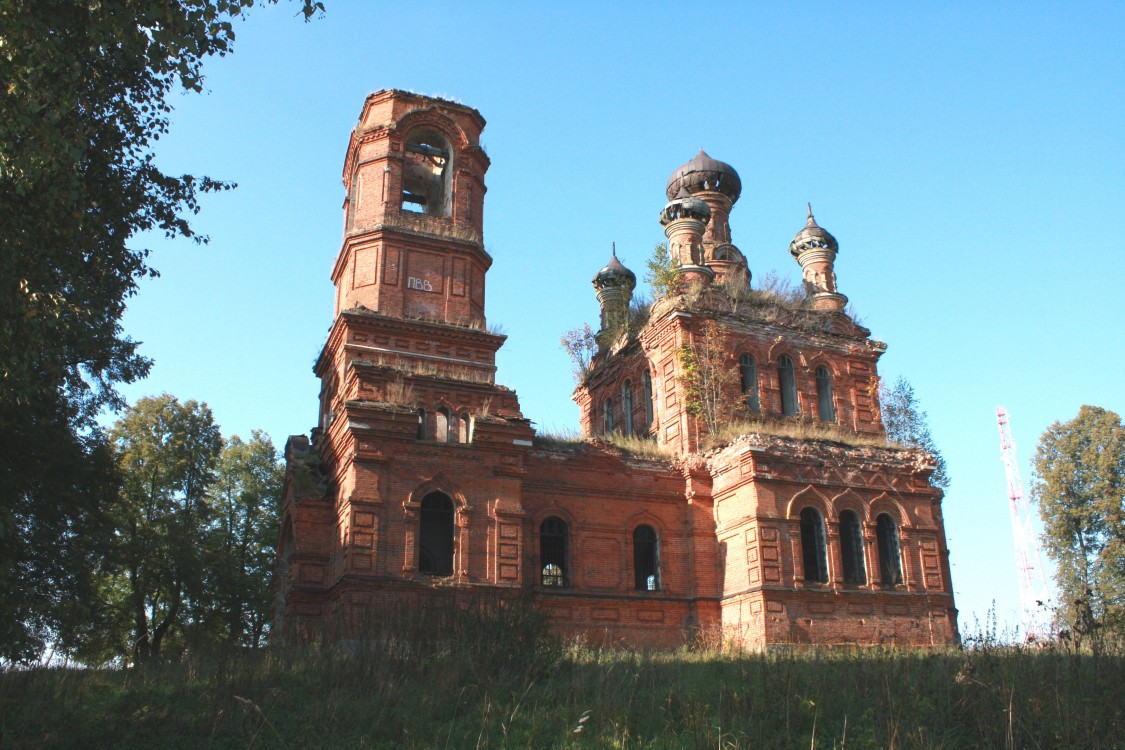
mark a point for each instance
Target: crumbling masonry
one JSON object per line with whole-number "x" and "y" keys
{"x": 424, "y": 482}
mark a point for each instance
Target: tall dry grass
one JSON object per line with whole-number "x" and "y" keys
{"x": 632, "y": 445}
{"x": 489, "y": 676}
{"x": 798, "y": 430}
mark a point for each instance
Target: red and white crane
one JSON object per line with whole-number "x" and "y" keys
{"x": 1029, "y": 563}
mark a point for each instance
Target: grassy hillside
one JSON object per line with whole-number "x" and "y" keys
{"x": 503, "y": 684}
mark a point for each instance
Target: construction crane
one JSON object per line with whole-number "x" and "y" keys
{"x": 1029, "y": 563}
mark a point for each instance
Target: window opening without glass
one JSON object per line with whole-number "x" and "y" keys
{"x": 813, "y": 550}
{"x": 787, "y": 379}
{"x": 851, "y": 548}
{"x": 646, "y": 567}
{"x": 435, "y": 535}
{"x": 553, "y": 552}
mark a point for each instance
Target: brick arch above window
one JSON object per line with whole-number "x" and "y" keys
{"x": 886, "y": 503}
{"x": 809, "y": 497}
{"x": 850, "y": 500}
{"x": 644, "y": 518}
{"x": 820, "y": 360}
{"x": 437, "y": 483}
{"x": 777, "y": 348}
{"x": 429, "y": 119}
{"x": 554, "y": 511}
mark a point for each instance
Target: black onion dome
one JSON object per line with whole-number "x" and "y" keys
{"x": 615, "y": 274}
{"x": 812, "y": 236}
{"x": 705, "y": 173}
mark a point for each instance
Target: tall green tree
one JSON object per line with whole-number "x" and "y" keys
{"x": 84, "y": 95}
{"x": 53, "y": 532}
{"x": 167, "y": 453}
{"x": 241, "y": 540}
{"x": 907, "y": 423}
{"x": 1079, "y": 485}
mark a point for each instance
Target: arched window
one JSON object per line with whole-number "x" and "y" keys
{"x": 466, "y": 428}
{"x": 552, "y": 552}
{"x": 646, "y": 380}
{"x": 748, "y": 369}
{"x": 607, "y": 415}
{"x": 435, "y": 535}
{"x": 825, "y": 410}
{"x": 427, "y": 178}
{"x": 813, "y": 550}
{"x": 441, "y": 425}
{"x": 787, "y": 379}
{"x": 454, "y": 428}
{"x": 421, "y": 435}
{"x": 646, "y": 559}
{"x": 285, "y": 549}
{"x": 851, "y": 548}
{"x": 890, "y": 566}
{"x": 627, "y": 407}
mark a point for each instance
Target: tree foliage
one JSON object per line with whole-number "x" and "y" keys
{"x": 194, "y": 527}
{"x": 907, "y": 423}
{"x": 240, "y": 541}
{"x": 1079, "y": 485}
{"x": 708, "y": 374}
{"x": 167, "y": 453}
{"x": 53, "y": 530}
{"x": 663, "y": 272}
{"x": 84, "y": 96}
{"x": 580, "y": 344}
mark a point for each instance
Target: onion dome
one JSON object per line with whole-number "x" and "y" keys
{"x": 812, "y": 236}
{"x": 685, "y": 207}
{"x": 615, "y": 275}
{"x": 705, "y": 173}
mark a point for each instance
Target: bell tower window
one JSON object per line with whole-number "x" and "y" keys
{"x": 427, "y": 174}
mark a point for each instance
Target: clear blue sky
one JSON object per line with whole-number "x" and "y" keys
{"x": 969, "y": 158}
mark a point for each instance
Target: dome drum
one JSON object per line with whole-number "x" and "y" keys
{"x": 827, "y": 301}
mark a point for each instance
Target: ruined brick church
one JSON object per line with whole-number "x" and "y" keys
{"x": 424, "y": 482}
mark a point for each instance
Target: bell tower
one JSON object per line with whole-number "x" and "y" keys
{"x": 414, "y": 473}
{"x": 413, "y": 230}
{"x": 409, "y": 325}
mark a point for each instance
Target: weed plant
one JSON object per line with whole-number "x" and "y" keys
{"x": 796, "y": 429}
{"x": 493, "y": 678}
{"x": 633, "y": 445}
